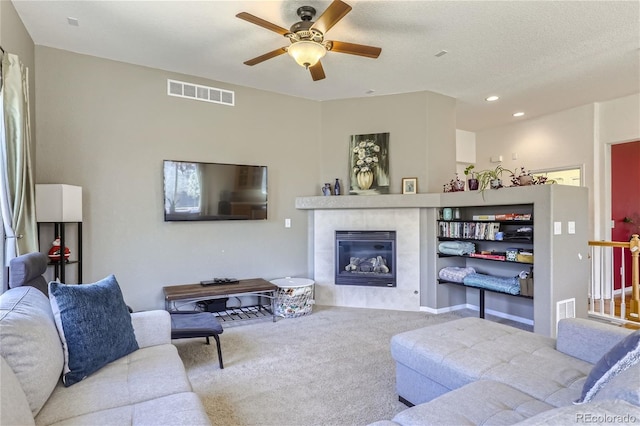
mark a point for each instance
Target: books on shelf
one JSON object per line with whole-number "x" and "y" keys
{"x": 492, "y": 256}
{"x": 484, "y": 217}
{"x": 505, "y": 216}
{"x": 469, "y": 230}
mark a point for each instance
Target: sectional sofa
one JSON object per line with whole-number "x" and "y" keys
{"x": 473, "y": 371}
{"x": 148, "y": 386}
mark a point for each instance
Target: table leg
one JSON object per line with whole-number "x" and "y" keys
{"x": 273, "y": 305}
{"x": 481, "y": 303}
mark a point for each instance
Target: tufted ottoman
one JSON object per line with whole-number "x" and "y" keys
{"x": 434, "y": 360}
{"x": 188, "y": 324}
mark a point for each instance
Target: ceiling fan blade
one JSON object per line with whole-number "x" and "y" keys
{"x": 335, "y": 12}
{"x": 355, "y": 49}
{"x": 261, "y": 22}
{"x": 266, "y": 56}
{"x": 317, "y": 72}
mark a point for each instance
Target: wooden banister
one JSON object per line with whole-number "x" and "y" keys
{"x": 633, "y": 245}
{"x": 634, "y": 305}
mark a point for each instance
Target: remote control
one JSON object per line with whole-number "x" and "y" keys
{"x": 219, "y": 281}
{"x": 225, "y": 280}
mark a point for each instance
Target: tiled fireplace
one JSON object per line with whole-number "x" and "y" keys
{"x": 404, "y": 222}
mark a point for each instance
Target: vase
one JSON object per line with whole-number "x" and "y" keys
{"x": 495, "y": 183}
{"x": 473, "y": 184}
{"x": 457, "y": 185}
{"x": 365, "y": 179}
{"x": 336, "y": 187}
{"x": 525, "y": 180}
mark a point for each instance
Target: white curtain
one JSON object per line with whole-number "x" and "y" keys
{"x": 17, "y": 193}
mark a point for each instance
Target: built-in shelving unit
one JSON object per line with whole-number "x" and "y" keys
{"x": 561, "y": 268}
{"x": 498, "y": 239}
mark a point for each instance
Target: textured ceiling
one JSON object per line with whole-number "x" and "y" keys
{"x": 538, "y": 56}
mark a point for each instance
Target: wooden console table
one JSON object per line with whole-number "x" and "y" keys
{"x": 197, "y": 292}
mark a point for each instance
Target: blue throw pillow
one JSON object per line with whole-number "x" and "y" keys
{"x": 622, "y": 356}
{"x": 94, "y": 325}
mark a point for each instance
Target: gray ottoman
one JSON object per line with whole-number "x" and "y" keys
{"x": 434, "y": 360}
{"x": 186, "y": 325}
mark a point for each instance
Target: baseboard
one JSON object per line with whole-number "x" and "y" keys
{"x": 499, "y": 314}
{"x": 491, "y": 312}
{"x": 437, "y": 311}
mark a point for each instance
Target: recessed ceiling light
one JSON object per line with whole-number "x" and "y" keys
{"x": 518, "y": 114}
{"x": 441, "y": 53}
{"x": 492, "y": 98}
{"x": 73, "y": 21}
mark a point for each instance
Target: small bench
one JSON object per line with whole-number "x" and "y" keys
{"x": 187, "y": 325}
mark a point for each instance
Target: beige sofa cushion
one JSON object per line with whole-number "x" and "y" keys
{"x": 143, "y": 375}
{"x": 14, "y": 408}
{"x": 30, "y": 344}
{"x": 484, "y": 402}
{"x": 172, "y": 410}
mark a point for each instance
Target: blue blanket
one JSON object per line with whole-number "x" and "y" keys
{"x": 458, "y": 248}
{"x": 489, "y": 282}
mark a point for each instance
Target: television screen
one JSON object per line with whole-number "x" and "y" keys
{"x": 214, "y": 191}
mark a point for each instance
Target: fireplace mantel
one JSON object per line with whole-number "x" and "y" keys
{"x": 368, "y": 201}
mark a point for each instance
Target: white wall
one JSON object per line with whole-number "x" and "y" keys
{"x": 421, "y": 141}
{"x": 465, "y": 151}
{"x": 465, "y": 147}
{"x": 619, "y": 120}
{"x": 578, "y": 136}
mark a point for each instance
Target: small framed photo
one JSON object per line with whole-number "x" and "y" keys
{"x": 409, "y": 185}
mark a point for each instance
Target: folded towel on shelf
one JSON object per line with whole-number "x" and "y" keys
{"x": 457, "y": 248}
{"x": 509, "y": 285}
{"x": 454, "y": 273}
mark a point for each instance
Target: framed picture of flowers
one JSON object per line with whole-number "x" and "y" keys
{"x": 369, "y": 164}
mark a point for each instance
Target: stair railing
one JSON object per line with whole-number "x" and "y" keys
{"x": 602, "y": 295}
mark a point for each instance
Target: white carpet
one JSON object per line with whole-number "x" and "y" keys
{"x": 332, "y": 367}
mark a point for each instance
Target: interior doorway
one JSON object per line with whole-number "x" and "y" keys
{"x": 625, "y": 201}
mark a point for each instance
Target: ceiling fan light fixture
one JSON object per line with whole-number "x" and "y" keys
{"x": 307, "y": 53}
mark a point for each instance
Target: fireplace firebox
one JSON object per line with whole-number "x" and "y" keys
{"x": 366, "y": 258}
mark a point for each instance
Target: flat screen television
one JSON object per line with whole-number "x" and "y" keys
{"x": 196, "y": 191}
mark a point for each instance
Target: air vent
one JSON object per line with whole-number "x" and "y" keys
{"x": 565, "y": 309}
{"x": 182, "y": 89}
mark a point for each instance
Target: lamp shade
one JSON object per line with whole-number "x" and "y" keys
{"x": 307, "y": 53}
{"x": 58, "y": 203}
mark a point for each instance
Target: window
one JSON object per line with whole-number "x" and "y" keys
{"x": 571, "y": 175}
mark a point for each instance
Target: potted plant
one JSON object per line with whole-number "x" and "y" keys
{"x": 490, "y": 178}
{"x": 454, "y": 185}
{"x": 524, "y": 177}
{"x": 472, "y": 181}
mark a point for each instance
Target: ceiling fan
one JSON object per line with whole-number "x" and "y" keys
{"x": 308, "y": 44}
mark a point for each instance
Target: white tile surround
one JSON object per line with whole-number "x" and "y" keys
{"x": 405, "y": 221}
